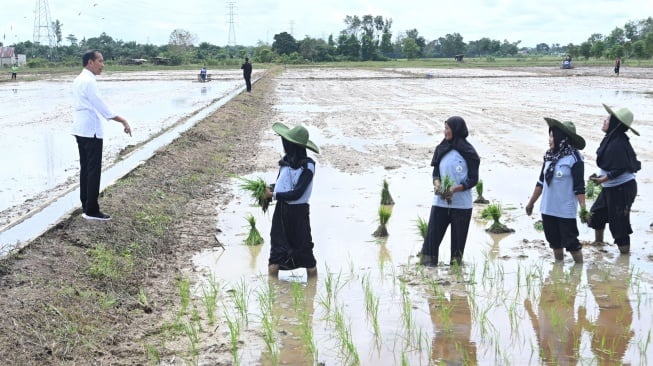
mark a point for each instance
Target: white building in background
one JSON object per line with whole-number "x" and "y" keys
{"x": 8, "y": 57}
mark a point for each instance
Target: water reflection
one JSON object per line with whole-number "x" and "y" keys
{"x": 556, "y": 328}
{"x": 293, "y": 307}
{"x": 611, "y": 329}
{"x": 452, "y": 318}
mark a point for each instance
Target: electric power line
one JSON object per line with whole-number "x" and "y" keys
{"x": 231, "y": 41}
{"x": 42, "y": 25}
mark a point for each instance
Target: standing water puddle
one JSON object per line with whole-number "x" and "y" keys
{"x": 371, "y": 305}
{"x": 48, "y": 156}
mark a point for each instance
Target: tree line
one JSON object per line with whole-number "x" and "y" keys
{"x": 365, "y": 38}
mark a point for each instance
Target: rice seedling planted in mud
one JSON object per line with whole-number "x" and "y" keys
{"x": 254, "y": 237}
{"x": 494, "y": 212}
{"x": 422, "y": 227}
{"x": 386, "y": 197}
{"x": 479, "y": 193}
{"x": 384, "y": 216}
{"x": 256, "y": 187}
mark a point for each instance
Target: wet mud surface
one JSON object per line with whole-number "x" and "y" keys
{"x": 508, "y": 304}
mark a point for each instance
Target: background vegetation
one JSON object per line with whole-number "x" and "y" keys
{"x": 366, "y": 38}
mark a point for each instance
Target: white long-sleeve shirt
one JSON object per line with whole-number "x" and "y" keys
{"x": 88, "y": 106}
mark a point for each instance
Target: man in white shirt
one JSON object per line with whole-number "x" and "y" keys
{"x": 88, "y": 130}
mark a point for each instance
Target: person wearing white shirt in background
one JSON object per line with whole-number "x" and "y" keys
{"x": 88, "y": 130}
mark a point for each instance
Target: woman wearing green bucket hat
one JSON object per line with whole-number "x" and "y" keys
{"x": 618, "y": 163}
{"x": 291, "y": 243}
{"x": 562, "y": 187}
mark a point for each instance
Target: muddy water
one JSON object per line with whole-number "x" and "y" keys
{"x": 39, "y": 159}
{"x": 509, "y": 304}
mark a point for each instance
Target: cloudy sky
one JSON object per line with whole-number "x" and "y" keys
{"x": 152, "y": 21}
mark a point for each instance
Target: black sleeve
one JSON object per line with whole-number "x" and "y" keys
{"x": 302, "y": 183}
{"x": 540, "y": 181}
{"x": 472, "y": 174}
{"x": 578, "y": 174}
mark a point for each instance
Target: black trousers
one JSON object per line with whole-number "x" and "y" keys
{"x": 291, "y": 243}
{"x": 612, "y": 207}
{"x": 248, "y": 82}
{"x": 90, "y": 164}
{"x": 439, "y": 220}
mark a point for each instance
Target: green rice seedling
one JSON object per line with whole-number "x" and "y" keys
{"x": 153, "y": 354}
{"x": 422, "y": 227}
{"x": 494, "y": 212}
{"x": 143, "y": 302}
{"x": 234, "y": 336}
{"x": 240, "y": 296}
{"x": 386, "y": 197}
{"x": 254, "y": 237}
{"x": 538, "y": 225}
{"x": 584, "y": 215}
{"x": 347, "y": 346}
{"x": 184, "y": 293}
{"x": 479, "y": 193}
{"x": 193, "y": 334}
{"x": 447, "y": 183}
{"x": 384, "y": 217}
{"x": 256, "y": 187}
{"x": 210, "y": 299}
{"x": 269, "y": 322}
{"x": 592, "y": 189}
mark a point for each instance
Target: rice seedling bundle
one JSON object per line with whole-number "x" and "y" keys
{"x": 254, "y": 237}
{"x": 386, "y": 197}
{"x": 384, "y": 216}
{"x": 256, "y": 187}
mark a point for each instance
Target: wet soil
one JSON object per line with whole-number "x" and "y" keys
{"x": 62, "y": 306}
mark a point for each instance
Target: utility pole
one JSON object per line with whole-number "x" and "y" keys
{"x": 232, "y": 30}
{"x": 42, "y": 25}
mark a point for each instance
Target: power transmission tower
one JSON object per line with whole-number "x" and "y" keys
{"x": 42, "y": 26}
{"x": 232, "y": 31}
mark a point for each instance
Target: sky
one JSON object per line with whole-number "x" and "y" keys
{"x": 152, "y": 21}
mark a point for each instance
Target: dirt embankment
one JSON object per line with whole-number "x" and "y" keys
{"x": 90, "y": 293}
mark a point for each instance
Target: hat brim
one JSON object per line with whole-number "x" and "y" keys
{"x": 576, "y": 140}
{"x": 282, "y": 130}
{"x": 611, "y": 112}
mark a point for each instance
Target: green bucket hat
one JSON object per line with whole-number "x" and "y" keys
{"x": 297, "y": 135}
{"x": 569, "y": 129}
{"x": 624, "y": 115}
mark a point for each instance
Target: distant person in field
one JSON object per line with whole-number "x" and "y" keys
{"x": 88, "y": 130}
{"x": 203, "y": 74}
{"x": 14, "y": 71}
{"x": 247, "y": 74}
{"x": 617, "y": 65}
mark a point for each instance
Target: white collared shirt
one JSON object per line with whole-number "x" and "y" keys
{"x": 88, "y": 106}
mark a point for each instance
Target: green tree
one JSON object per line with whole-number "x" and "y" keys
{"x": 452, "y": 44}
{"x": 284, "y": 44}
{"x": 639, "y": 49}
{"x": 56, "y": 27}
{"x": 72, "y": 39}
{"x": 411, "y": 48}
{"x": 586, "y": 49}
{"x": 598, "y": 48}
{"x": 181, "y": 39}
{"x": 542, "y": 48}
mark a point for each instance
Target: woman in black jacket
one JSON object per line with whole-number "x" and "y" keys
{"x": 618, "y": 163}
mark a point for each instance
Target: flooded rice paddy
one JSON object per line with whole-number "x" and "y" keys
{"x": 371, "y": 304}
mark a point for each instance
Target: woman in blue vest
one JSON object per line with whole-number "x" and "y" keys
{"x": 562, "y": 187}
{"x": 456, "y": 160}
{"x": 291, "y": 243}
